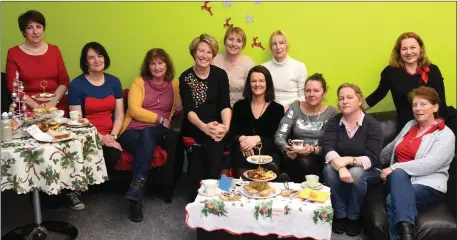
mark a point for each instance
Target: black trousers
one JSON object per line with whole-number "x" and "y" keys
{"x": 301, "y": 166}
{"x": 112, "y": 156}
{"x": 205, "y": 162}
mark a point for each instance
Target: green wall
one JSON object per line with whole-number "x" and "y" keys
{"x": 346, "y": 41}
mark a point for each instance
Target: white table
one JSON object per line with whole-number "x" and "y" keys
{"x": 280, "y": 216}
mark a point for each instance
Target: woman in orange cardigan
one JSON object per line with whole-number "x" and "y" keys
{"x": 153, "y": 99}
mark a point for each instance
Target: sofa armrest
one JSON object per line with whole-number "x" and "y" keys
{"x": 451, "y": 195}
{"x": 374, "y": 213}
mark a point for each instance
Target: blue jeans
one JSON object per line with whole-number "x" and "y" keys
{"x": 404, "y": 198}
{"x": 140, "y": 144}
{"x": 347, "y": 198}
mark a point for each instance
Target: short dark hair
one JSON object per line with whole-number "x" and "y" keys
{"x": 269, "y": 92}
{"x": 318, "y": 77}
{"x": 161, "y": 54}
{"x": 98, "y": 48}
{"x": 427, "y": 93}
{"x": 30, "y": 16}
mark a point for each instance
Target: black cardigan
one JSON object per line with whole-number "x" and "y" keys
{"x": 400, "y": 83}
{"x": 243, "y": 122}
{"x": 367, "y": 141}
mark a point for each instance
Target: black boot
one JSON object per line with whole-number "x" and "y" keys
{"x": 339, "y": 225}
{"x": 136, "y": 211}
{"x": 405, "y": 231}
{"x": 136, "y": 190}
{"x": 354, "y": 227}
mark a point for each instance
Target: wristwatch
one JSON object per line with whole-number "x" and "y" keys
{"x": 354, "y": 161}
{"x": 114, "y": 136}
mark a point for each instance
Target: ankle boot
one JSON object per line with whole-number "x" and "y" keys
{"x": 136, "y": 190}
{"x": 406, "y": 231}
{"x": 136, "y": 211}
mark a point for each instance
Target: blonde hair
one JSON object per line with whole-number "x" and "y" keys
{"x": 237, "y": 31}
{"x": 357, "y": 91}
{"x": 395, "y": 57}
{"x": 279, "y": 33}
{"x": 206, "y": 38}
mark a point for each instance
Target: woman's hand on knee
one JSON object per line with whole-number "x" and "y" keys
{"x": 385, "y": 173}
{"x": 345, "y": 175}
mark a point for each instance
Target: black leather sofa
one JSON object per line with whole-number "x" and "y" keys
{"x": 437, "y": 221}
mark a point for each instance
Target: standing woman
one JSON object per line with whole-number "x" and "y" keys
{"x": 234, "y": 63}
{"x": 409, "y": 68}
{"x": 36, "y": 60}
{"x": 288, "y": 74}
{"x": 204, "y": 90}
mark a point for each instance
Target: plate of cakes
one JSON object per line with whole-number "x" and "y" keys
{"x": 259, "y": 190}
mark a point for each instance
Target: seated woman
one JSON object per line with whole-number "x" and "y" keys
{"x": 97, "y": 95}
{"x": 419, "y": 159}
{"x": 204, "y": 90}
{"x": 305, "y": 120}
{"x": 352, "y": 145}
{"x": 153, "y": 99}
{"x": 255, "y": 120}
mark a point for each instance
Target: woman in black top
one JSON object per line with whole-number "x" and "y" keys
{"x": 255, "y": 120}
{"x": 204, "y": 90}
{"x": 409, "y": 68}
{"x": 352, "y": 145}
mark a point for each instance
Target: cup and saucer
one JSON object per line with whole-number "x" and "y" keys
{"x": 312, "y": 182}
{"x": 209, "y": 188}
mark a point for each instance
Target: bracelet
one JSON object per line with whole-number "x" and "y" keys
{"x": 354, "y": 161}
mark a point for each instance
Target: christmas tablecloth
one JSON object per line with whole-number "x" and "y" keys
{"x": 73, "y": 164}
{"x": 281, "y": 216}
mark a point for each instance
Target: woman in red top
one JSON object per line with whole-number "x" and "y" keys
{"x": 419, "y": 160}
{"x": 35, "y": 61}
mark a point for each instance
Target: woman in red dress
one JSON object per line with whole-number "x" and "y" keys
{"x": 36, "y": 60}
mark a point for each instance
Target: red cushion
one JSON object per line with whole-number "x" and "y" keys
{"x": 188, "y": 141}
{"x": 126, "y": 161}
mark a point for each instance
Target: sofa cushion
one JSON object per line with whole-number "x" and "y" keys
{"x": 126, "y": 161}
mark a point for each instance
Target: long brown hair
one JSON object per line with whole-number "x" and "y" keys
{"x": 161, "y": 54}
{"x": 395, "y": 58}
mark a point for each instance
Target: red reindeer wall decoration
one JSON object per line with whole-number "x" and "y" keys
{"x": 206, "y": 8}
{"x": 257, "y": 44}
{"x": 227, "y": 23}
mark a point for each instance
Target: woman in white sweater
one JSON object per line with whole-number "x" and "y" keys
{"x": 288, "y": 74}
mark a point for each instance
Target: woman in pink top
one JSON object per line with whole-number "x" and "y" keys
{"x": 234, "y": 63}
{"x": 153, "y": 99}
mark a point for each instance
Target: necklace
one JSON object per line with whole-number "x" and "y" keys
{"x": 307, "y": 118}
{"x": 253, "y": 117}
{"x": 26, "y": 47}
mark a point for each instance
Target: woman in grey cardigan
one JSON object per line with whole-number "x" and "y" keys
{"x": 305, "y": 120}
{"x": 419, "y": 160}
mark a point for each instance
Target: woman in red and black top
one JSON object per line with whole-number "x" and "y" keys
{"x": 35, "y": 61}
{"x": 409, "y": 68}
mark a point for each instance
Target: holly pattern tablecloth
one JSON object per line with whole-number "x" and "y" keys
{"x": 281, "y": 216}
{"x": 50, "y": 167}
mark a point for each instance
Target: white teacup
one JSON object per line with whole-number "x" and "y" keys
{"x": 58, "y": 115}
{"x": 312, "y": 180}
{"x": 209, "y": 186}
{"x": 297, "y": 144}
{"x": 75, "y": 115}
